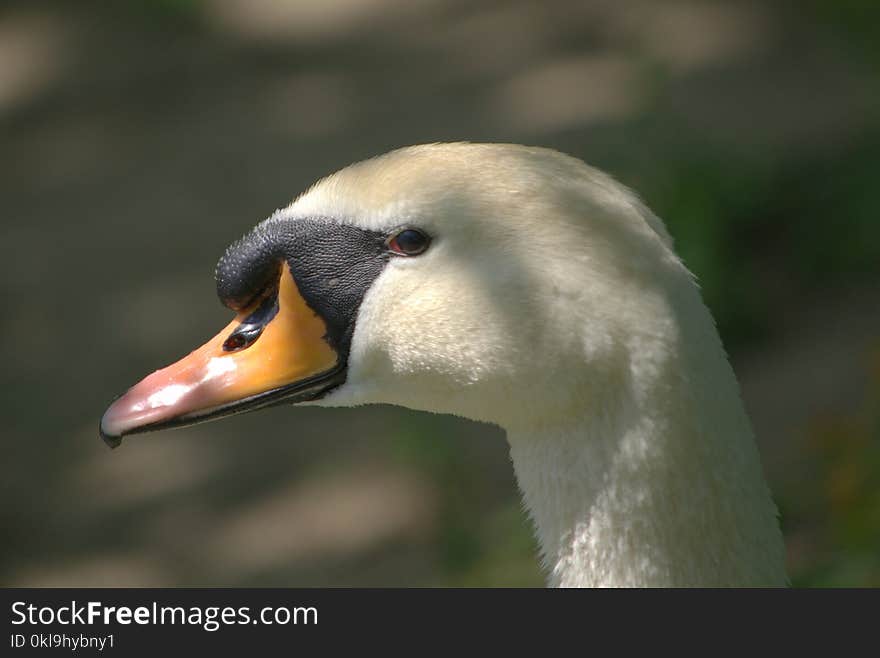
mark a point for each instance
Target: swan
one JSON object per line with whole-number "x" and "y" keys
{"x": 516, "y": 286}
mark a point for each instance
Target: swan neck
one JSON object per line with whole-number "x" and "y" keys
{"x": 672, "y": 495}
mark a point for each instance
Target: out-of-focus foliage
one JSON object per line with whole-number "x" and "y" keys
{"x": 737, "y": 222}
{"x": 842, "y": 515}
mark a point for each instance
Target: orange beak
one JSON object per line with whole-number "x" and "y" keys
{"x": 261, "y": 358}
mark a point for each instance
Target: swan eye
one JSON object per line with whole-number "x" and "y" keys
{"x": 408, "y": 242}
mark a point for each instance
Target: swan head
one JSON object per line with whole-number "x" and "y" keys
{"x": 497, "y": 282}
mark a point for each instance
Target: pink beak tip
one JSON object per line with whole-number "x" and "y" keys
{"x": 109, "y": 431}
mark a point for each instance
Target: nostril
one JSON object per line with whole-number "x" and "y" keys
{"x": 250, "y": 329}
{"x": 244, "y": 336}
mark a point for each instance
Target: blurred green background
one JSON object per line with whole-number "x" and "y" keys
{"x": 138, "y": 138}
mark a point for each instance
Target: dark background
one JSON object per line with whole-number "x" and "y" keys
{"x": 138, "y": 138}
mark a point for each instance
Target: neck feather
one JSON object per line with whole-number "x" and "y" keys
{"x": 661, "y": 487}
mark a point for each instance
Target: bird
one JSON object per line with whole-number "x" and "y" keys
{"x": 516, "y": 286}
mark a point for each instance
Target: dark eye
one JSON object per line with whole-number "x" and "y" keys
{"x": 408, "y": 242}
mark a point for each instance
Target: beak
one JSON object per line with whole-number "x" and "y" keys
{"x": 274, "y": 351}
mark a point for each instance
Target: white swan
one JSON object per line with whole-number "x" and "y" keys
{"x": 519, "y": 287}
